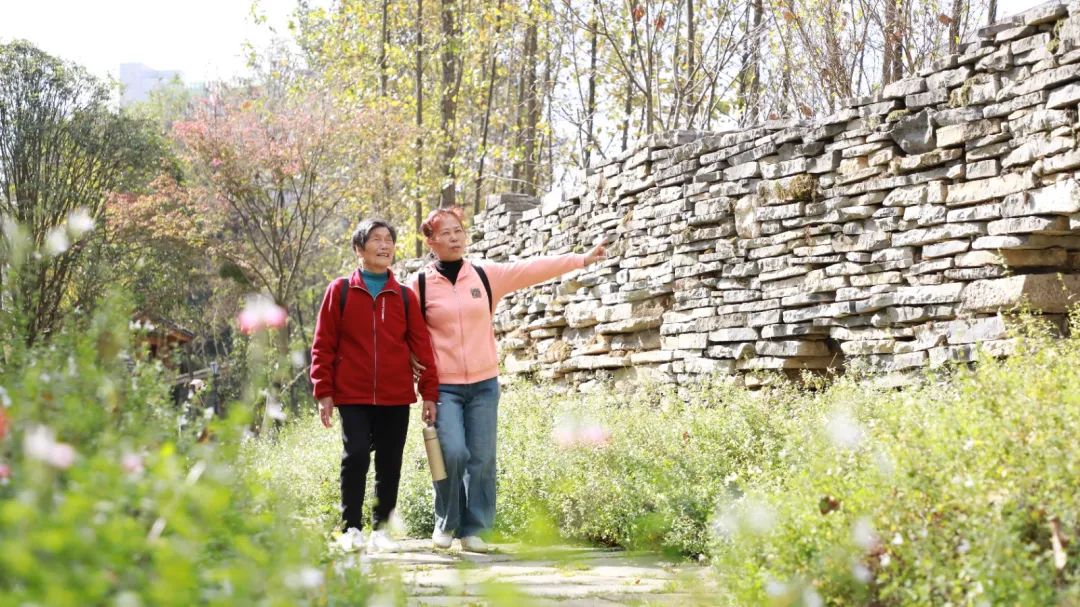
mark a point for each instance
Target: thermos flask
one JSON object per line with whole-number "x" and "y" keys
{"x": 434, "y": 454}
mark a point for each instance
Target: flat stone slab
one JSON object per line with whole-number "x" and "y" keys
{"x": 555, "y": 575}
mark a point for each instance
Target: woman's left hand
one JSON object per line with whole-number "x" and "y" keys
{"x": 427, "y": 415}
{"x": 596, "y": 254}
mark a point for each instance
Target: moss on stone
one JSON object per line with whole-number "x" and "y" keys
{"x": 962, "y": 96}
{"x": 798, "y": 188}
{"x": 896, "y": 115}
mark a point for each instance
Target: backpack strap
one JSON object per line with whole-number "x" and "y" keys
{"x": 405, "y": 302}
{"x": 479, "y": 272}
{"x": 423, "y": 294}
{"x": 487, "y": 287}
{"x": 343, "y": 294}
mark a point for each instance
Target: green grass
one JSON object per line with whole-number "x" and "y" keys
{"x": 945, "y": 492}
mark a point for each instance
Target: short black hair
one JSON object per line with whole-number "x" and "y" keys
{"x": 366, "y": 227}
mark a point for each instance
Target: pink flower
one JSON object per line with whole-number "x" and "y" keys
{"x": 132, "y": 463}
{"x": 260, "y": 313}
{"x": 570, "y": 432}
{"x": 594, "y": 435}
{"x": 5, "y": 474}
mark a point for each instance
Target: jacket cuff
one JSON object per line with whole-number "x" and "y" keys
{"x": 323, "y": 391}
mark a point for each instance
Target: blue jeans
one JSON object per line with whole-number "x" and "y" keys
{"x": 466, "y": 422}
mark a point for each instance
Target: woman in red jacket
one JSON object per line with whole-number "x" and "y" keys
{"x": 368, "y": 325}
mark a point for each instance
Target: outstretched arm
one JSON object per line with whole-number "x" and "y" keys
{"x": 509, "y": 277}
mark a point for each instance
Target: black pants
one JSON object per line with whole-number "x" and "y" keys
{"x": 365, "y": 428}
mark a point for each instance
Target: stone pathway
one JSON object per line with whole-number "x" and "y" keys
{"x": 558, "y": 576}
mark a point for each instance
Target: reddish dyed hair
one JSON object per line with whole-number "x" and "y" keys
{"x": 436, "y": 217}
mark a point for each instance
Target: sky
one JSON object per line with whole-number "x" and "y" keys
{"x": 203, "y": 39}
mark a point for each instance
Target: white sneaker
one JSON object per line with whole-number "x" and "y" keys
{"x": 352, "y": 540}
{"x": 441, "y": 540}
{"x": 381, "y": 541}
{"x": 471, "y": 543}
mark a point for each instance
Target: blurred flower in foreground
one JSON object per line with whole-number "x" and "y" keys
{"x": 40, "y": 444}
{"x": 571, "y": 432}
{"x": 132, "y": 463}
{"x": 260, "y": 312}
{"x": 80, "y": 222}
{"x": 844, "y": 431}
{"x": 307, "y": 578}
{"x": 5, "y": 474}
{"x": 3, "y": 424}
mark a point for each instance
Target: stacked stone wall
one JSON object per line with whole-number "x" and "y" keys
{"x": 888, "y": 235}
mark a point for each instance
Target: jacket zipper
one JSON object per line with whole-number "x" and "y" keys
{"x": 375, "y": 350}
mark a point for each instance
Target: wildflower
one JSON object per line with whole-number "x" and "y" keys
{"x": 5, "y": 474}
{"x": 56, "y": 242}
{"x": 569, "y": 432}
{"x": 260, "y": 312}
{"x": 80, "y": 222}
{"x": 132, "y": 463}
{"x": 306, "y": 578}
{"x": 862, "y": 573}
{"x": 844, "y": 431}
{"x": 864, "y": 535}
{"x": 41, "y": 445}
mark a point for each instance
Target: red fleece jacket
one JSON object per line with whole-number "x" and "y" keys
{"x": 361, "y": 356}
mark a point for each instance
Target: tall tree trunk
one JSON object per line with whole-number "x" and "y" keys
{"x": 628, "y": 103}
{"x": 954, "y": 26}
{"x": 383, "y": 85}
{"x": 691, "y": 48}
{"x": 991, "y": 12}
{"x": 749, "y": 83}
{"x": 525, "y": 172}
{"x": 448, "y": 105}
{"x": 898, "y": 47}
{"x": 418, "y": 202}
{"x": 491, "y": 67}
{"x": 889, "y": 33}
{"x": 383, "y": 43}
{"x": 590, "y": 104}
{"x": 650, "y": 73}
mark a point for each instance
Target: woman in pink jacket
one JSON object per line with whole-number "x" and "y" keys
{"x": 457, "y": 299}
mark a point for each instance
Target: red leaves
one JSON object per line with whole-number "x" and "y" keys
{"x": 944, "y": 19}
{"x": 660, "y": 21}
{"x": 637, "y": 12}
{"x": 787, "y": 15}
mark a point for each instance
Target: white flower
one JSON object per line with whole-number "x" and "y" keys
{"x": 898, "y": 540}
{"x": 307, "y": 578}
{"x": 56, "y": 242}
{"x": 273, "y": 408}
{"x": 844, "y": 431}
{"x": 863, "y": 534}
{"x": 810, "y": 598}
{"x": 760, "y": 518}
{"x": 40, "y": 444}
{"x": 862, "y": 573}
{"x": 5, "y": 400}
{"x": 80, "y": 222}
{"x": 298, "y": 358}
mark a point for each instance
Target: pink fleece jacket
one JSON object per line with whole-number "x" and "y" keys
{"x": 459, "y": 319}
